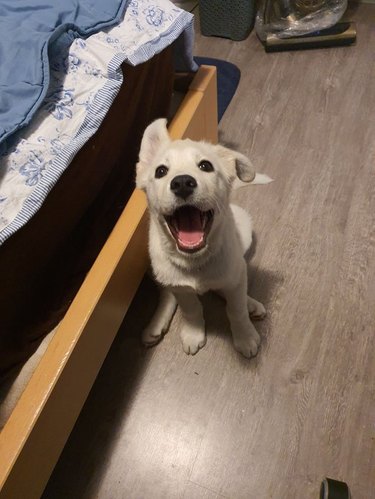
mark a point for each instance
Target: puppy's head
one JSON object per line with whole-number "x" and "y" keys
{"x": 187, "y": 184}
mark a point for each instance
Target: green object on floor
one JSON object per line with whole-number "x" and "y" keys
{"x": 233, "y": 20}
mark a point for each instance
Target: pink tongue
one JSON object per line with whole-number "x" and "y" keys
{"x": 190, "y": 230}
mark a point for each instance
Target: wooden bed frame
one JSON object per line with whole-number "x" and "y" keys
{"x": 40, "y": 424}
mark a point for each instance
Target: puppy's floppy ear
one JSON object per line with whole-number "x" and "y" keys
{"x": 237, "y": 164}
{"x": 154, "y": 137}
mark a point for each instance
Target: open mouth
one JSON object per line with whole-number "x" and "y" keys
{"x": 190, "y": 227}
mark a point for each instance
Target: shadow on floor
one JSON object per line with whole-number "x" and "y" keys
{"x": 119, "y": 380}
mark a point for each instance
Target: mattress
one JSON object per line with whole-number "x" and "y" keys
{"x": 85, "y": 77}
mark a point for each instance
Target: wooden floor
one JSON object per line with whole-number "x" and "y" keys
{"x": 160, "y": 424}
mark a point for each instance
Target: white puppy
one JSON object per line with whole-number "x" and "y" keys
{"x": 197, "y": 240}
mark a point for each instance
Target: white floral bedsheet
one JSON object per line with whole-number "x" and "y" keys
{"x": 84, "y": 83}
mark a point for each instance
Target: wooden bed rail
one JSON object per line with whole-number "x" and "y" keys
{"x": 39, "y": 426}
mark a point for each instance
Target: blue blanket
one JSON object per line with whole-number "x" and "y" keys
{"x": 29, "y": 29}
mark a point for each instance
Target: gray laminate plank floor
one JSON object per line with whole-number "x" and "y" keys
{"x": 160, "y": 424}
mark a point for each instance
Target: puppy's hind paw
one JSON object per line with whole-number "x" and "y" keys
{"x": 151, "y": 336}
{"x": 256, "y": 309}
{"x": 161, "y": 320}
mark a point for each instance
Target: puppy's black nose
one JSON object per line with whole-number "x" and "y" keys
{"x": 183, "y": 185}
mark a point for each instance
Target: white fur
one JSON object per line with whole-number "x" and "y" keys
{"x": 219, "y": 266}
{"x": 260, "y": 179}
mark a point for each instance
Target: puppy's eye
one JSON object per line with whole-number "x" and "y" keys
{"x": 205, "y": 166}
{"x": 161, "y": 171}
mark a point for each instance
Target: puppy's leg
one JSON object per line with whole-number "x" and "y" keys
{"x": 161, "y": 319}
{"x": 245, "y": 337}
{"x": 192, "y": 333}
{"x": 255, "y": 308}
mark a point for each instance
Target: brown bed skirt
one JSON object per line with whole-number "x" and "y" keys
{"x": 45, "y": 262}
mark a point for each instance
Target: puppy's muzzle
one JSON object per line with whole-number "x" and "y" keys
{"x": 183, "y": 186}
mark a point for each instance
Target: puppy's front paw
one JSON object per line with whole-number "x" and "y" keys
{"x": 255, "y": 308}
{"x": 192, "y": 339}
{"x": 247, "y": 342}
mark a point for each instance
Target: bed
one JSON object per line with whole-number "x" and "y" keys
{"x": 68, "y": 265}
{"x": 48, "y": 210}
